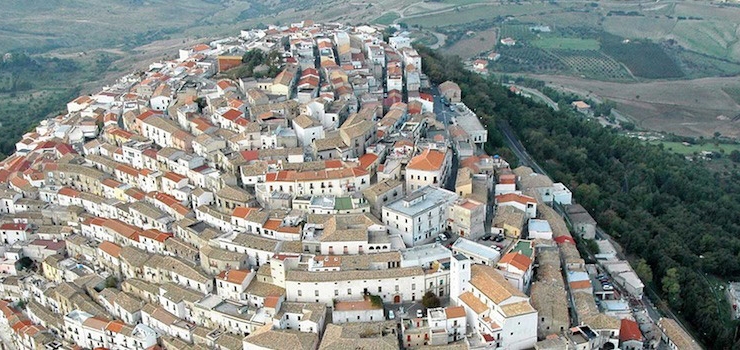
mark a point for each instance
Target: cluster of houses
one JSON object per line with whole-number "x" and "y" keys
{"x": 181, "y": 209}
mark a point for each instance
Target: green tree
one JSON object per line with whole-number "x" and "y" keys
{"x": 671, "y": 286}
{"x": 735, "y": 156}
{"x": 111, "y": 282}
{"x": 24, "y": 263}
{"x": 430, "y": 300}
{"x": 644, "y": 271}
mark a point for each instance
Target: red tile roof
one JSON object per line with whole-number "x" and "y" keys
{"x": 429, "y": 160}
{"x": 629, "y": 330}
{"x": 13, "y": 227}
{"x": 110, "y": 248}
{"x": 234, "y": 276}
{"x": 367, "y": 159}
{"x": 513, "y": 197}
{"x": 518, "y": 260}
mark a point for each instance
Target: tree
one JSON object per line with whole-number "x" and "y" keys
{"x": 644, "y": 271}
{"x": 735, "y": 156}
{"x": 23, "y": 263}
{"x": 671, "y": 286}
{"x": 429, "y": 300}
{"x": 111, "y": 282}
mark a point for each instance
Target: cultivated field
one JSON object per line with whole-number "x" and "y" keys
{"x": 698, "y": 107}
{"x": 680, "y": 148}
{"x": 475, "y": 44}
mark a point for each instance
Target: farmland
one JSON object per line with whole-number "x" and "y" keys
{"x": 644, "y": 58}
{"x": 689, "y": 149}
{"x": 387, "y": 18}
{"x": 474, "y": 45}
{"x": 562, "y": 43}
{"x": 592, "y": 64}
{"x": 665, "y": 105}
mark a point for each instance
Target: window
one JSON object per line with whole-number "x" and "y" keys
{"x": 349, "y": 291}
{"x": 316, "y": 292}
{"x": 300, "y": 293}
{"x": 336, "y": 292}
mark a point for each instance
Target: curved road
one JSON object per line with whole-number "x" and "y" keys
{"x": 548, "y": 101}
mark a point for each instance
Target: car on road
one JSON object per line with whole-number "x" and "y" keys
{"x": 391, "y": 315}
{"x": 486, "y": 237}
{"x": 419, "y": 313}
{"x": 608, "y": 287}
{"x": 442, "y": 237}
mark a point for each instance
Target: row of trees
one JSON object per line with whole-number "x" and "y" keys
{"x": 680, "y": 218}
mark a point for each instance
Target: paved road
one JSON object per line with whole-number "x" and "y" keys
{"x": 525, "y": 159}
{"x": 443, "y": 114}
{"x": 518, "y": 148}
{"x": 548, "y": 101}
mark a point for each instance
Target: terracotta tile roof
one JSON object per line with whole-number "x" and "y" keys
{"x": 455, "y": 311}
{"x": 629, "y": 330}
{"x": 233, "y": 276}
{"x": 115, "y": 326}
{"x": 242, "y": 212}
{"x": 492, "y": 284}
{"x": 429, "y": 160}
{"x": 367, "y": 159}
{"x": 473, "y": 303}
{"x": 232, "y": 114}
{"x": 156, "y": 235}
{"x": 95, "y": 323}
{"x": 507, "y": 179}
{"x": 513, "y": 197}
{"x": 13, "y": 227}
{"x": 110, "y": 248}
{"x": 586, "y": 284}
{"x": 518, "y": 260}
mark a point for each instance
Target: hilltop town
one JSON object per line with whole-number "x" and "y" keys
{"x": 298, "y": 187}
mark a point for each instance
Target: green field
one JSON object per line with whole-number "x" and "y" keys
{"x": 680, "y": 148}
{"x": 567, "y": 43}
{"x": 733, "y": 92}
{"x": 592, "y": 64}
{"x": 643, "y": 58}
{"x": 516, "y": 31}
{"x": 387, "y": 18}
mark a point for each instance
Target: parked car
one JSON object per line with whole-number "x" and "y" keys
{"x": 442, "y": 237}
{"x": 419, "y": 313}
{"x": 499, "y": 238}
{"x": 608, "y": 287}
{"x": 391, "y": 315}
{"x": 486, "y": 237}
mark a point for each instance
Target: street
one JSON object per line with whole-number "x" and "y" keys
{"x": 443, "y": 115}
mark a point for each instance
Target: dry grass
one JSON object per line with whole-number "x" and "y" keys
{"x": 685, "y": 107}
{"x": 473, "y": 45}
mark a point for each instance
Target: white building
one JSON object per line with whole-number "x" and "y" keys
{"x": 500, "y": 314}
{"x": 428, "y": 168}
{"x": 420, "y": 216}
{"x": 363, "y": 310}
{"x": 476, "y": 252}
{"x": 307, "y": 130}
{"x": 539, "y": 229}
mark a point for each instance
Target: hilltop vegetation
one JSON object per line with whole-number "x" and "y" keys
{"x": 676, "y": 215}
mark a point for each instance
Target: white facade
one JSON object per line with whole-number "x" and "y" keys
{"x": 420, "y": 216}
